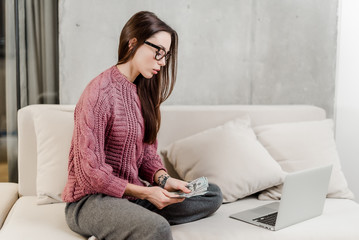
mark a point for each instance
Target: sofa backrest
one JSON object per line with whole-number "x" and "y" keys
{"x": 177, "y": 122}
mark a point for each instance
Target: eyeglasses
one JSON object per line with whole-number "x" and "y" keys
{"x": 160, "y": 53}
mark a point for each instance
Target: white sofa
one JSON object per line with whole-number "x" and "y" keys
{"x": 22, "y": 217}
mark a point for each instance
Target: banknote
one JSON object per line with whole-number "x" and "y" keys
{"x": 198, "y": 187}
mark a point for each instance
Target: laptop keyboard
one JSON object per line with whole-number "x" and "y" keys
{"x": 269, "y": 219}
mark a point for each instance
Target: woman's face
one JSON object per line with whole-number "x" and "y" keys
{"x": 144, "y": 59}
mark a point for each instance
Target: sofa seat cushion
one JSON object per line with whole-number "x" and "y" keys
{"x": 8, "y": 198}
{"x": 338, "y": 221}
{"x": 27, "y": 220}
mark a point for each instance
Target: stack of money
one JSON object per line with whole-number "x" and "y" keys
{"x": 198, "y": 187}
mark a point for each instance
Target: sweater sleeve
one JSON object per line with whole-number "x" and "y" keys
{"x": 91, "y": 171}
{"x": 151, "y": 163}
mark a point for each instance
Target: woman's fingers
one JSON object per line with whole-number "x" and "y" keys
{"x": 162, "y": 198}
{"x": 184, "y": 189}
{"x": 174, "y": 184}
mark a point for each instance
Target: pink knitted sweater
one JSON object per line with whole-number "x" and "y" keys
{"x": 107, "y": 151}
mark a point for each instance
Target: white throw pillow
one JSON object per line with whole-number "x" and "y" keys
{"x": 54, "y": 130}
{"x": 302, "y": 145}
{"x": 229, "y": 156}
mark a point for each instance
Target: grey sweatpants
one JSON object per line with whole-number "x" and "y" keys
{"x": 113, "y": 218}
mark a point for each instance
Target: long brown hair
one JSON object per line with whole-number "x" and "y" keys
{"x": 152, "y": 92}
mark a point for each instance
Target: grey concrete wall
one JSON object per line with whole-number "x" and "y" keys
{"x": 230, "y": 51}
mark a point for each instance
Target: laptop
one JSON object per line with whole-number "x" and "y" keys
{"x": 303, "y": 197}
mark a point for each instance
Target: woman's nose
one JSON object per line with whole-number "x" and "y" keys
{"x": 162, "y": 62}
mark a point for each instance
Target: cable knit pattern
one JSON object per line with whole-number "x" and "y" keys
{"x": 107, "y": 151}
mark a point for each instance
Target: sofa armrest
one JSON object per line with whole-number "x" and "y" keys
{"x": 9, "y": 195}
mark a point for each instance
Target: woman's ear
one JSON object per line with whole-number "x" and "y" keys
{"x": 132, "y": 43}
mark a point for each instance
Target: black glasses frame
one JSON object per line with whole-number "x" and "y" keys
{"x": 158, "y": 55}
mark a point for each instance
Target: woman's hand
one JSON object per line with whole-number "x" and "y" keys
{"x": 161, "y": 197}
{"x": 156, "y": 195}
{"x": 171, "y": 184}
{"x": 174, "y": 184}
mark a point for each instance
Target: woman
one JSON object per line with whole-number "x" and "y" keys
{"x": 114, "y": 144}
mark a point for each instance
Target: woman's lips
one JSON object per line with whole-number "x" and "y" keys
{"x": 155, "y": 71}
